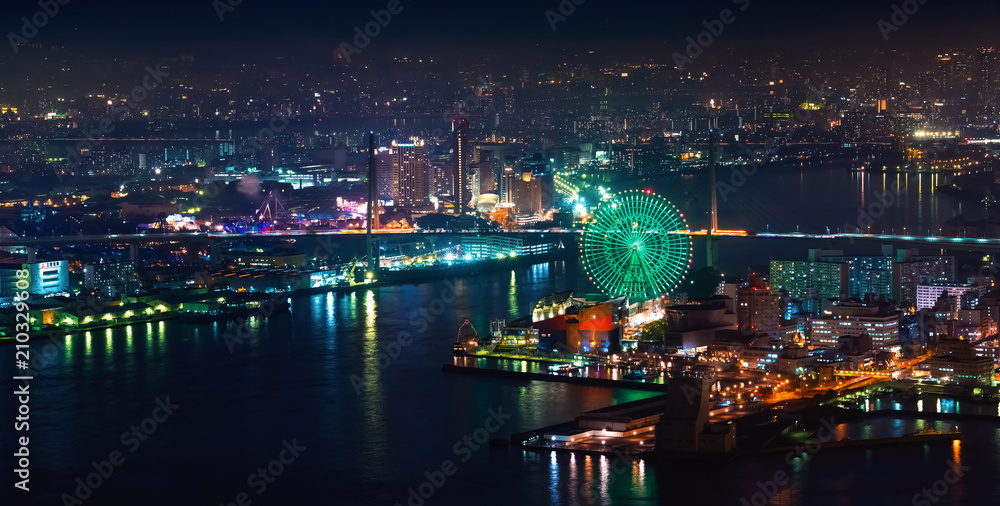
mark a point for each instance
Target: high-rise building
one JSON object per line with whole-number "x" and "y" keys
{"x": 460, "y": 142}
{"x": 507, "y": 182}
{"x": 487, "y": 172}
{"x": 409, "y": 174}
{"x": 383, "y": 170}
{"x": 866, "y": 275}
{"x": 910, "y": 272}
{"x": 809, "y": 280}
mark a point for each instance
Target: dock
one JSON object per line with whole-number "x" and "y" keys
{"x": 557, "y": 378}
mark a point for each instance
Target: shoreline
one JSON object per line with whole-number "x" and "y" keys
{"x": 412, "y": 277}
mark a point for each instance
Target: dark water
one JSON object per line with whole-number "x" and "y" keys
{"x": 814, "y": 199}
{"x": 372, "y": 426}
{"x": 811, "y": 198}
{"x": 291, "y": 380}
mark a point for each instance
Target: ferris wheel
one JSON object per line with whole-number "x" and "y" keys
{"x": 636, "y": 244}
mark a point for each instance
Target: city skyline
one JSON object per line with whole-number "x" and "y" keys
{"x": 543, "y": 253}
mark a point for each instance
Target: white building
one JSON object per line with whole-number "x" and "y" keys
{"x": 928, "y": 294}
{"x": 44, "y": 279}
{"x": 856, "y": 318}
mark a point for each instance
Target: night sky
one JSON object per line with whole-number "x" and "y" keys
{"x": 467, "y": 28}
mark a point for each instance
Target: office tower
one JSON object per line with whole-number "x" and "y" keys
{"x": 459, "y": 141}
{"x": 487, "y": 172}
{"x": 384, "y": 175}
{"x": 507, "y": 181}
{"x": 409, "y": 174}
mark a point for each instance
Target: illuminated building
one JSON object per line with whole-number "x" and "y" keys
{"x": 585, "y": 328}
{"x": 957, "y": 362}
{"x": 460, "y": 142}
{"x": 384, "y": 159}
{"x": 757, "y": 308}
{"x": 45, "y": 279}
{"x": 813, "y": 282}
{"x": 487, "y": 172}
{"x": 854, "y": 319}
{"x": 111, "y": 279}
{"x": 498, "y": 246}
{"x": 909, "y": 271}
{"x": 507, "y": 179}
{"x": 409, "y": 174}
{"x": 928, "y": 294}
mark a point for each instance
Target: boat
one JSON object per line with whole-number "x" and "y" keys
{"x": 563, "y": 368}
{"x": 465, "y": 342}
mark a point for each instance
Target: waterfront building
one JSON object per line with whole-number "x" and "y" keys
{"x": 585, "y": 327}
{"x": 553, "y": 305}
{"x": 259, "y": 258}
{"x": 956, "y": 362}
{"x": 44, "y": 279}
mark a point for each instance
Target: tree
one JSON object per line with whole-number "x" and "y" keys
{"x": 654, "y": 331}
{"x": 703, "y": 282}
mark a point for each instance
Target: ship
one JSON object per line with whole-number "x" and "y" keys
{"x": 563, "y": 368}
{"x": 466, "y": 341}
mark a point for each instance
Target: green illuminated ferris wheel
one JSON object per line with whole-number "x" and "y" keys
{"x": 636, "y": 244}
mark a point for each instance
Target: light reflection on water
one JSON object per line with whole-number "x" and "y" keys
{"x": 292, "y": 378}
